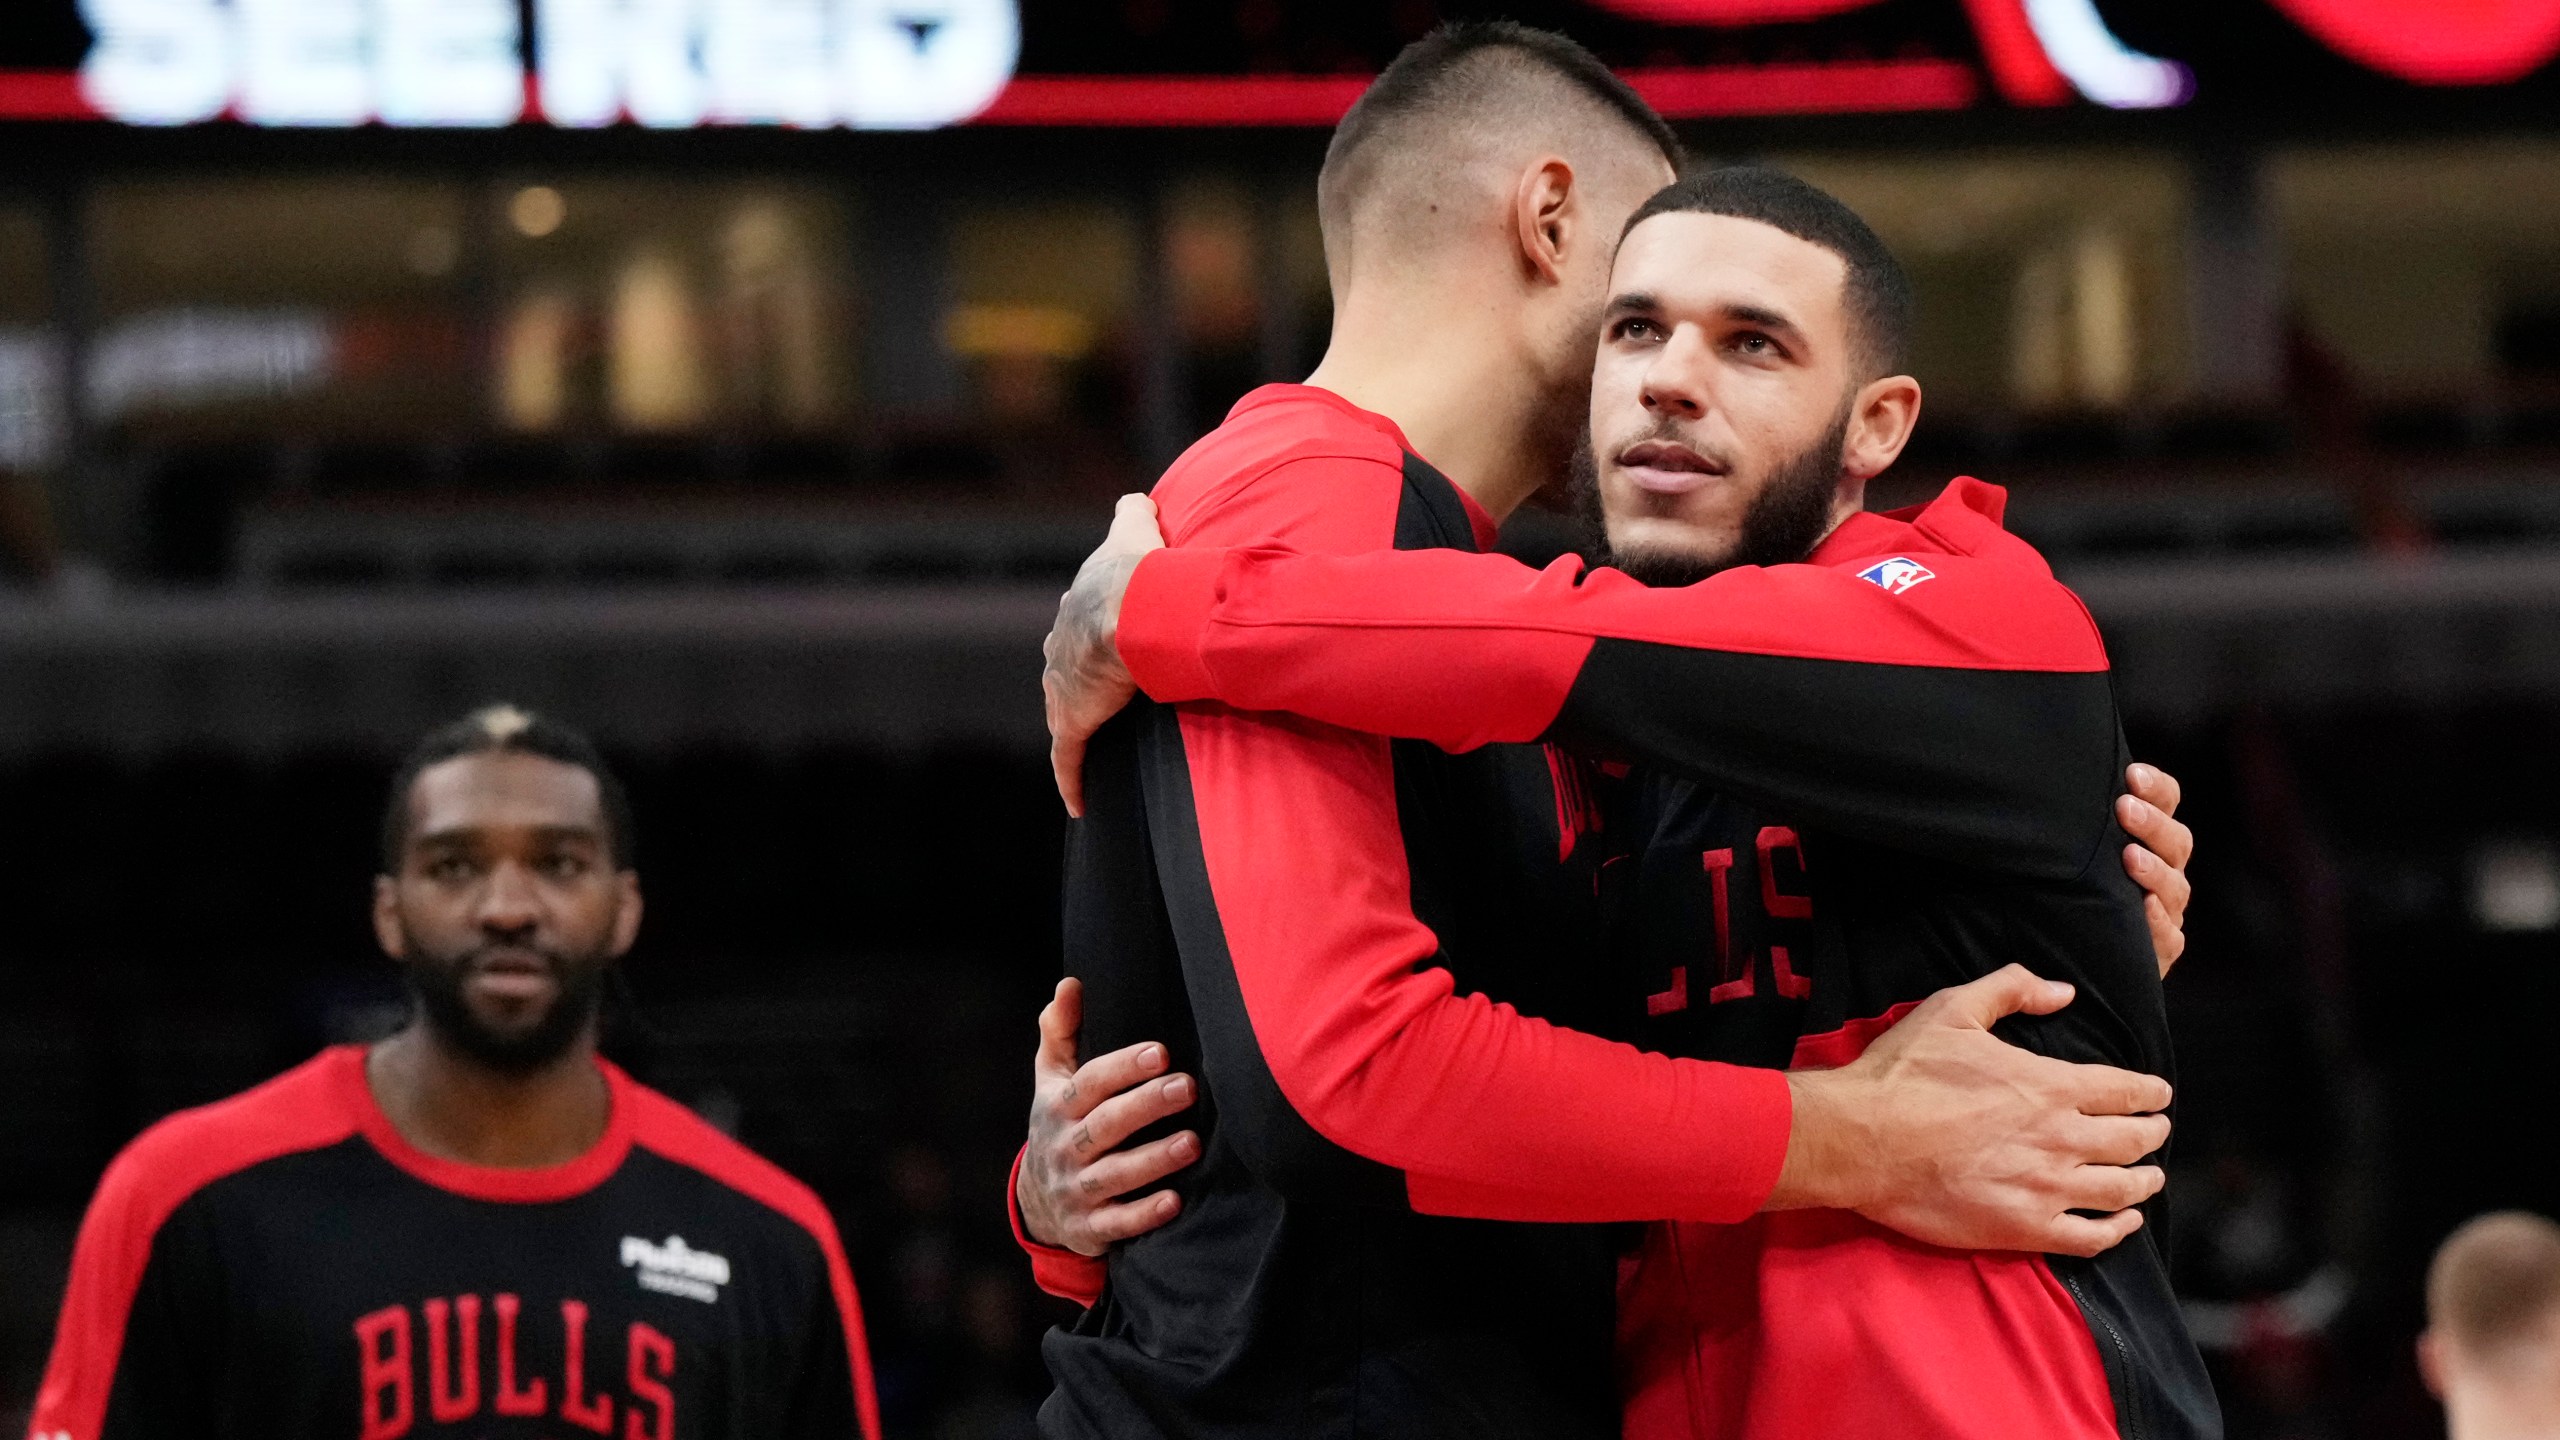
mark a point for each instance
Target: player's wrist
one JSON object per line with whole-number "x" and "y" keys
{"x": 1827, "y": 1143}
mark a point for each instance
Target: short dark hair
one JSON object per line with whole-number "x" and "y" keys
{"x": 2495, "y": 1281}
{"x": 1431, "y": 73}
{"x": 504, "y": 729}
{"x": 1876, "y": 292}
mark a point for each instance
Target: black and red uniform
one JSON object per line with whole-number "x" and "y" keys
{"x": 1340, "y": 935}
{"x": 284, "y": 1266}
{"x": 1880, "y": 773}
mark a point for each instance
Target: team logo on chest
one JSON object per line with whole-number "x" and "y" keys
{"x": 676, "y": 1268}
{"x": 1897, "y": 574}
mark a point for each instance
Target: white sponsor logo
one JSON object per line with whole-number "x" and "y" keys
{"x": 1897, "y": 574}
{"x": 676, "y": 1268}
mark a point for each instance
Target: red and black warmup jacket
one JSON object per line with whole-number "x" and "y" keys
{"x": 1877, "y": 774}
{"x": 1346, "y": 938}
{"x": 284, "y": 1266}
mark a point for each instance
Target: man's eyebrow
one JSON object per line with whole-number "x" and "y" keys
{"x": 1634, "y": 302}
{"x": 1763, "y": 317}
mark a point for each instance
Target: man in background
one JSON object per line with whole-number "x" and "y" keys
{"x": 2491, "y": 1351}
{"x": 478, "y": 1226}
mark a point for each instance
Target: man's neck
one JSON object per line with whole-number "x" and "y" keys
{"x": 455, "y": 1108}
{"x": 2480, "y": 1408}
{"x": 1453, "y": 377}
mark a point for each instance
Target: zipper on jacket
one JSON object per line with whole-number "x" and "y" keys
{"x": 2128, "y": 1426}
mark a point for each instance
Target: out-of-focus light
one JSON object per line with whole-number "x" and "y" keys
{"x": 2515, "y": 886}
{"x": 1047, "y": 332}
{"x": 432, "y": 251}
{"x": 2076, "y": 38}
{"x": 536, "y": 211}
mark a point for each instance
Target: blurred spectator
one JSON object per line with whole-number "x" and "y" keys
{"x": 2491, "y": 1351}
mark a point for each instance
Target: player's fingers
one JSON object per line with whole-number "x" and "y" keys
{"x": 2083, "y": 1236}
{"x": 1060, "y": 1019}
{"x": 2005, "y": 991}
{"x": 1125, "y": 1114}
{"x": 1107, "y": 1075}
{"x": 2119, "y": 1139}
{"x": 2168, "y": 937}
{"x": 1066, "y": 766}
{"x": 2172, "y": 844}
{"x": 2156, "y": 876}
{"x": 1132, "y": 1218}
{"x": 2108, "y": 1188}
{"x": 1120, "y": 1174}
{"x": 2155, "y": 785}
{"x": 2106, "y": 1090}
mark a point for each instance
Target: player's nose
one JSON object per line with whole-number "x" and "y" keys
{"x": 1675, "y": 383}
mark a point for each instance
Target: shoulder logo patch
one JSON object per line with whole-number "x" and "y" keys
{"x": 1897, "y": 574}
{"x": 676, "y": 1268}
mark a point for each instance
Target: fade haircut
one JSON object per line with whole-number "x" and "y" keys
{"x": 498, "y": 730}
{"x": 1452, "y": 96}
{"x": 1875, "y": 293}
{"x": 2495, "y": 1284}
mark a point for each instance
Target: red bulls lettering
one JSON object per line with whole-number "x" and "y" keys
{"x": 388, "y": 1375}
{"x": 532, "y": 1399}
{"x": 653, "y": 1363}
{"x": 575, "y": 1407}
{"x": 390, "y": 1398}
{"x": 446, "y": 1400}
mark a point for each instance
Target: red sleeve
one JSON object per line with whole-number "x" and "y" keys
{"x": 144, "y": 1186}
{"x": 1062, "y": 1273}
{"x": 1485, "y": 1112}
{"x": 1968, "y": 708}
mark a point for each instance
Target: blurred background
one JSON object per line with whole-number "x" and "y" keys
{"x": 740, "y": 380}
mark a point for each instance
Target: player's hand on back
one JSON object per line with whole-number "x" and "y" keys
{"x": 2157, "y": 858}
{"x": 1071, "y": 1178}
{"x": 1083, "y": 682}
{"x": 1947, "y": 1133}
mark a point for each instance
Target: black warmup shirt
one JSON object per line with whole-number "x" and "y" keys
{"x": 284, "y": 1266}
{"x": 1340, "y": 937}
{"x": 1879, "y": 773}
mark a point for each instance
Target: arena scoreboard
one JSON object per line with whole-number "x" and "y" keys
{"x": 917, "y": 64}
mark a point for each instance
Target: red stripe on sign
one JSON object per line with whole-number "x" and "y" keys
{"x": 1174, "y": 100}
{"x": 1679, "y": 92}
{"x": 43, "y": 95}
{"x": 1841, "y": 88}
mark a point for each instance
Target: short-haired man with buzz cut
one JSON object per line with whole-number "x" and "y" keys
{"x": 1346, "y": 939}
{"x": 2492, "y": 1348}
{"x": 477, "y": 1227}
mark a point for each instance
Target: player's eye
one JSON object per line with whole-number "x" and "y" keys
{"x": 451, "y": 869}
{"x": 1756, "y": 345}
{"x": 564, "y": 867}
{"x": 1635, "y": 327}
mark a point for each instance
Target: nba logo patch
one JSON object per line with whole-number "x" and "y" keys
{"x": 1897, "y": 574}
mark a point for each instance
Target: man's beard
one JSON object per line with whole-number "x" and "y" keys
{"x": 438, "y": 983}
{"x": 1781, "y": 526}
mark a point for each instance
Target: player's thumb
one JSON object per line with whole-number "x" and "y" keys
{"x": 1060, "y": 1019}
{"x": 1133, "y": 525}
{"x": 2009, "y": 990}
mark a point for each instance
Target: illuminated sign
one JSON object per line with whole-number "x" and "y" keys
{"x": 915, "y": 64}
{"x": 872, "y": 64}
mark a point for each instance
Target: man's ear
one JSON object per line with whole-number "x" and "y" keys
{"x": 2431, "y": 1362}
{"x": 1545, "y": 216}
{"x": 1881, "y": 419}
{"x": 626, "y": 911}
{"x": 386, "y": 918}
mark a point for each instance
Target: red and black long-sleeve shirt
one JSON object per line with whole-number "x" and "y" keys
{"x": 283, "y": 1265}
{"x": 1874, "y": 775}
{"x": 1364, "y": 948}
